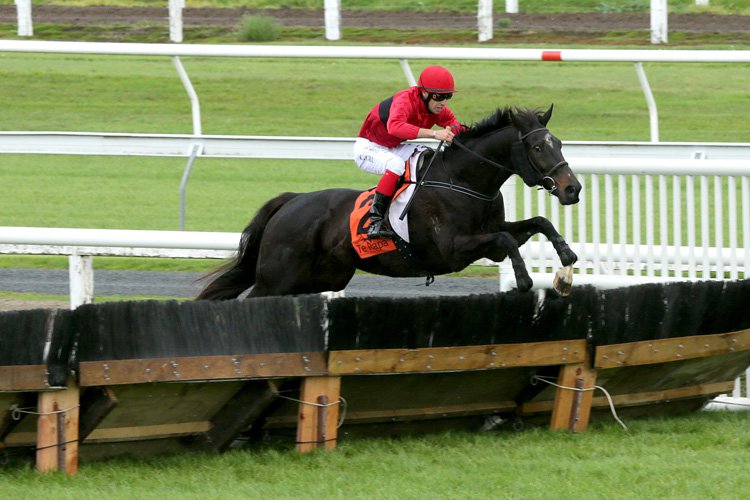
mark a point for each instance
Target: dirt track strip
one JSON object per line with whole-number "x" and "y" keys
{"x": 581, "y": 22}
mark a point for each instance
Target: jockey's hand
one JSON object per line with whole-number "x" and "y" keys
{"x": 444, "y": 134}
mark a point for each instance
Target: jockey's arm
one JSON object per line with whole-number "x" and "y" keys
{"x": 440, "y": 134}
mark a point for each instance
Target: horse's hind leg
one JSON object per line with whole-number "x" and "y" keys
{"x": 524, "y": 229}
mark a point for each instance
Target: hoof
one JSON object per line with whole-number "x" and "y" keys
{"x": 524, "y": 284}
{"x": 563, "y": 282}
{"x": 568, "y": 257}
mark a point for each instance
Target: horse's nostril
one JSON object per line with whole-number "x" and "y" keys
{"x": 570, "y": 190}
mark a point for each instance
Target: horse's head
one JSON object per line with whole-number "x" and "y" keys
{"x": 537, "y": 157}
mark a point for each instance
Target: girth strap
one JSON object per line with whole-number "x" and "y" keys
{"x": 461, "y": 190}
{"x": 406, "y": 251}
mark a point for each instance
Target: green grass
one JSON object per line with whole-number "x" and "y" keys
{"x": 695, "y": 457}
{"x": 296, "y": 98}
{"x": 260, "y": 28}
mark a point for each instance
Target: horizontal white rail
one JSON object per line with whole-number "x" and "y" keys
{"x": 332, "y": 148}
{"x": 361, "y": 52}
{"x": 627, "y": 252}
{"x": 187, "y": 240}
{"x": 80, "y": 245}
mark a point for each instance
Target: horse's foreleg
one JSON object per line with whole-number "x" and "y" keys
{"x": 524, "y": 229}
{"x": 495, "y": 246}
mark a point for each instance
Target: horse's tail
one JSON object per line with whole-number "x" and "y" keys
{"x": 237, "y": 275}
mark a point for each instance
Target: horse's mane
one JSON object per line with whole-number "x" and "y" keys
{"x": 501, "y": 118}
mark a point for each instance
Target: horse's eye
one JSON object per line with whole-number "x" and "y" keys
{"x": 538, "y": 149}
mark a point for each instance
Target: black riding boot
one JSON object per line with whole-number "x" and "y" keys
{"x": 377, "y": 217}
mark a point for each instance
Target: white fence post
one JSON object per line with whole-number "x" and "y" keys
{"x": 81, "y": 272}
{"x": 511, "y": 6}
{"x": 701, "y": 2}
{"x": 484, "y": 20}
{"x": 658, "y": 21}
{"x": 175, "y": 20}
{"x": 408, "y": 73}
{"x": 653, "y": 112}
{"x": 333, "y": 19}
{"x": 25, "y": 24}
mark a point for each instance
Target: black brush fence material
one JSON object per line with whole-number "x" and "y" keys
{"x": 164, "y": 375}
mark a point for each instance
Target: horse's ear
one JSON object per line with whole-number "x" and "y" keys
{"x": 547, "y": 115}
{"x": 518, "y": 123}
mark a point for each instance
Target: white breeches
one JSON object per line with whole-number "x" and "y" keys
{"x": 376, "y": 159}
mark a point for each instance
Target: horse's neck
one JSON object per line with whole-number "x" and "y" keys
{"x": 496, "y": 146}
{"x": 470, "y": 169}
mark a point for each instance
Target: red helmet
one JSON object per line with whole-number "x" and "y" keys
{"x": 436, "y": 79}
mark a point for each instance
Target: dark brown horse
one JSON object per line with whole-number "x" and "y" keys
{"x": 300, "y": 243}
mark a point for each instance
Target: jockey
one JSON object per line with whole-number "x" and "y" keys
{"x": 409, "y": 114}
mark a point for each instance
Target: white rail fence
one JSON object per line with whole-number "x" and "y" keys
{"x": 649, "y": 220}
{"x": 648, "y": 213}
{"x": 82, "y": 245}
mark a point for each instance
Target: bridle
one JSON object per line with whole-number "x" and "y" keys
{"x": 540, "y": 176}
{"x": 544, "y": 176}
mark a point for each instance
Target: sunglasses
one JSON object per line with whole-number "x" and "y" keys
{"x": 441, "y": 97}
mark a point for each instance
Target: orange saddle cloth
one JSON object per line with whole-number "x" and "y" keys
{"x": 359, "y": 221}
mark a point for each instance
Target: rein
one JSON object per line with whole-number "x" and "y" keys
{"x": 483, "y": 158}
{"x": 461, "y": 189}
{"x": 475, "y": 194}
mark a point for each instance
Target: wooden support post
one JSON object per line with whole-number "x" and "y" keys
{"x": 317, "y": 424}
{"x": 57, "y": 430}
{"x": 572, "y": 408}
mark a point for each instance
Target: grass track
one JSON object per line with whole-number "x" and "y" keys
{"x": 700, "y": 456}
